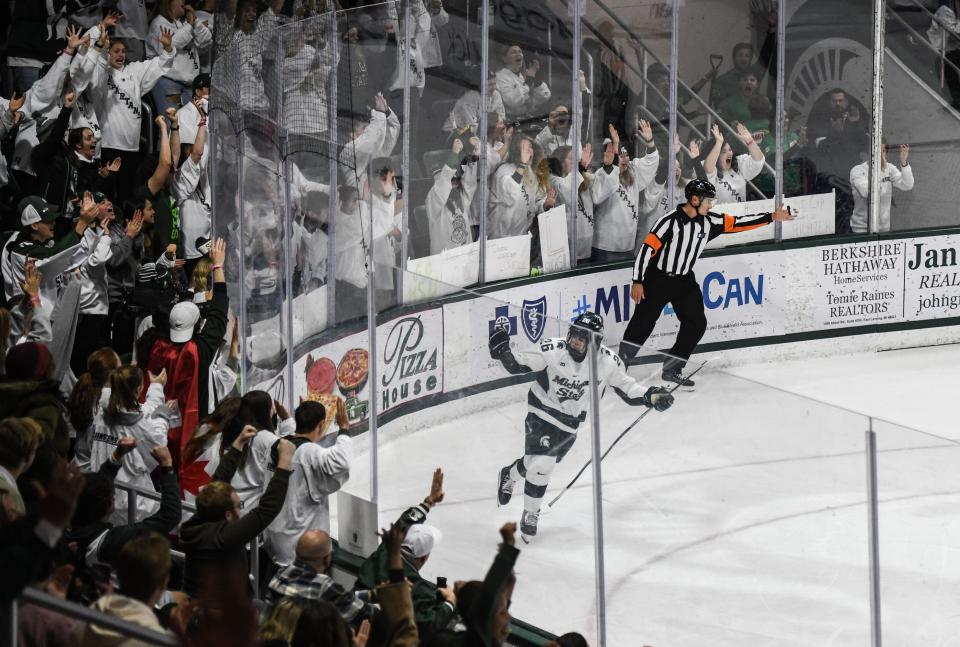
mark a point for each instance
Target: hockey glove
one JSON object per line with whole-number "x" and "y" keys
{"x": 499, "y": 343}
{"x": 658, "y": 398}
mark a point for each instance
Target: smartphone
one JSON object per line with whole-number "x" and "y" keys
{"x": 441, "y": 584}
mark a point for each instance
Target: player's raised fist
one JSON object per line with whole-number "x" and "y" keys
{"x": 658, "y": 398}
{"x": 499, "y": 343}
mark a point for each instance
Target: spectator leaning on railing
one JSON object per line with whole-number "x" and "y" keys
{"x": 318, "y": 472}
{"x": 432, "y": 613}
{"x": 98, "y": 540}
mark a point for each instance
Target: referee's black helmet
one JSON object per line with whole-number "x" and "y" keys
{"x": 700, "y": 188}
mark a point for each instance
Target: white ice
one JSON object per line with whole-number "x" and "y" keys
{"x": 736, "y": 518}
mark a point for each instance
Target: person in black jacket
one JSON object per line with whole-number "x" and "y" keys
{"x": 67, "y": 170}
{"x": 32, "y": 39}
{"x": 207, "y": 333}
{"x": 27, "y": 543}
{"x": 433, "y": 608}
{"x": 98, "y": 540}
{"x": 216, "y": 536}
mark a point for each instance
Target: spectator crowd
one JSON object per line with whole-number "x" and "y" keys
{"x": 119, "y": 348}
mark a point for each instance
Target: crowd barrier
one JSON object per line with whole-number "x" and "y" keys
{"x": 741, "y": 510}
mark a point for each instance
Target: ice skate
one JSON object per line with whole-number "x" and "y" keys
{"x": 528, "y": 526}
{"x": 505, "y": 486}
{"x": 673, "y": 375}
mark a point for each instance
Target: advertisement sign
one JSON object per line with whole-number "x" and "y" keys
{"x": 340, "y": 367}
{"x": 409, "y": 364}
{"x": 854, "y": 284}
{"x": 932, "y": 281}
{"x": 765, "y": 294}
{"x": 410, "y": 358}
{"x": 530, "y": 316}
{"x": 742, "y": 297}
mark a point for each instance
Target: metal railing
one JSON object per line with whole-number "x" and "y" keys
{"x": 647, "y": 55}
{"x": 133, "y": 492}
{"x": 940, "y": 51}
{"x": 85, "y": 614}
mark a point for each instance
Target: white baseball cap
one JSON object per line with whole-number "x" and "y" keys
{"x": 183, "y": 317}
{"x": 421, "y": 539}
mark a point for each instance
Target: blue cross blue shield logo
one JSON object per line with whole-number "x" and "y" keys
{"x": 534, "y": 318}
{"x": 503, "y": 320}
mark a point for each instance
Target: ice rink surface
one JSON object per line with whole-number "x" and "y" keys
{"x": 735, "y": 518}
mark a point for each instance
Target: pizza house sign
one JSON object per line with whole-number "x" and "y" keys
{"x": 411, "y": 359}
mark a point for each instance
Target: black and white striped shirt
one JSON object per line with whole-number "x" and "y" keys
{"x": 675, "y": 243}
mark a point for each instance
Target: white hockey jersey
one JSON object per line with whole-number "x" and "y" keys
{"x": 891, "y": 177}
{"x": 148, "y": 429}
{"x": 732, "y": 185}
{"x": 188, "y": 40}
{"x": 43, "y": 97}
{"x": 656, "y": 203}
{"x": 377, "y": 140}
{"x": 515, "y": 200}
{"x": 617, "y": 207}
{"x": 318, "y": 472}
{"x": 117, "y": 96}
{"x": 448, "y": 208}
{"x": 192, "y": 192}
{"x": 585, "y": 215}
{"x": 519, "y": 99}
{"x": 466, "y": 111}
{"x": 560, "y": 394}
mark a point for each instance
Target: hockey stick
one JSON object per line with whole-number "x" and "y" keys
{"x": 613, "y": 444}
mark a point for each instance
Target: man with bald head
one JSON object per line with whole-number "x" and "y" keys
{"x": 307, "y": 578}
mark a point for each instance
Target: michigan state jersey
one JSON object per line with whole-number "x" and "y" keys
{"x": 561, "y": 392}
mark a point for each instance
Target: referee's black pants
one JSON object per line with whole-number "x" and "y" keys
{"x": 684, "y": 294}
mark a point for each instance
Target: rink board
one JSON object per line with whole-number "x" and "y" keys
{"x": 758, "y": 296}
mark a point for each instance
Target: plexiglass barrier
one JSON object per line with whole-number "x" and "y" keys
{"x": 740, "y": 512}
{"x": 741, "y": 509}
{"x": 918, "y": 488}
{"x": 923, "y": 53}
{"x": 486, "y": 137}
{"x": 354, "y": 181}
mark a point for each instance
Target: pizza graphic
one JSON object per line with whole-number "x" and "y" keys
{"x": 352, "y": 371}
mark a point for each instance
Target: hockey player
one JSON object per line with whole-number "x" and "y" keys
{"x": 557, "y": 405}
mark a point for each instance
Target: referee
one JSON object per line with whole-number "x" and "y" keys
{"x": 663, "y": 273}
